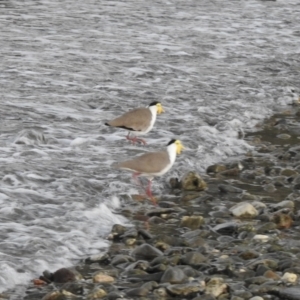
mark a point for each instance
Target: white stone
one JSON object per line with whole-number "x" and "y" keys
{"x": 244, "y": 210}
{"x": 256, "y": 298}
{"x": 289, "y": 277}
{"x": 261, "y": 237}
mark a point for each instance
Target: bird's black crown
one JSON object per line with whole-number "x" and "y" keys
{"x": 171, "y": 142}
{"x": 153, "y": 103}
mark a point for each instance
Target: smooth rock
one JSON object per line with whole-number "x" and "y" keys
{"x": 193, "y": 182}
{"x": 115, "y": 295}
{"x": 137, "y": 292}
{"x": 291, "y": 293}
{"x": 193, "y": 258}
{"x": 261, "y": 237}
{"x": 185, "y": 289}
{"x": 65, "y": 275}
{"x": 120, "y": 258}
{"x": 244, "y": 210}
{"x": 117, "y": 231}
{"x": 192, "y": 222}
{"x": 102, "y": 278}
{"x": 215, "y": 287}
{"x": 289, "y": 277}
{"x": 271, "y": 275}
{"x": 173, "y": 275}
{"x": 146, "y": 251}
{"x": 97, "y": 293}
{"x": 215, "y": 169}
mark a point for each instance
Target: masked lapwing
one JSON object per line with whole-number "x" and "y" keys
{"x": 153, "y": 164}
{"x": 138, "y": 121}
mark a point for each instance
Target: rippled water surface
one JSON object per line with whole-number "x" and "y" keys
{"x": 218, "y": 68}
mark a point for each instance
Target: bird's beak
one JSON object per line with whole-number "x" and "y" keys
{"x": 160, "y": 109}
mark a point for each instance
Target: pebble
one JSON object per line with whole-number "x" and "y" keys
{"x": 244, "y": 210}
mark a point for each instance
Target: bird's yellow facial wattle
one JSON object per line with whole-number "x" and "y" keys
{"x": 159, "y": 108}
{"x": 179, "y": 147}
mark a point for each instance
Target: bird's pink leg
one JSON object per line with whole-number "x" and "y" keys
{"x": 135, "y": 139}
{"x": 149, "y": 193}
{"x": 136, "y": 179}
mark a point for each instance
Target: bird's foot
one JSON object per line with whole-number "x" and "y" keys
{"x": 134, "y": 140}
{"x": 153, "y": 200}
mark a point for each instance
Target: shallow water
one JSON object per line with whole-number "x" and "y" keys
{"x": 67, "y": 67}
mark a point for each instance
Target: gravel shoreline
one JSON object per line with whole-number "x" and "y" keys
{"x": 229, "y": 234}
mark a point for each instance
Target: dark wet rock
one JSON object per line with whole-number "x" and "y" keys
{"x": 175, "y": 183}
{"x": 156, "y": 220}
{"x": 193, "y": 238}
{"x": 215, "y": 169}
{"x": 261, "y": 270}
{"x": 291, "y": 293}
{"x": 190, "y": 271}
{"x": 169, "y": 240}
{"x": 193, "y": 258}
{"x": 205, "y": 297}
{"x": 62, "y": 275}
{"x": 186, "y": 289}
{"x": 225, "y": 188}
{"x": 146, "y": 251}
{"x": 231, "y": 172}
{"x": 270, "y": 188}
{"x": 132, "y": 232}
{"x": 192, "y": 222}
{"x": 173, "y": 275}
{"x": 248, "y": 197}
{"x": 162, "y": 212}
{"x": 267, "y": 227}
{"x": 147, "y": 277}
{"x": 242, "y": 294}
{"x": 99, "y": 258}
{"x": 121, "y": 258}
{"x": 117, "y": 231}
{"x": 249, "y": 254}
{"x": 140, "y": 265}
{"x": 285, "y": 264}
{"x": 145, "y": 234}
{"x": 227, "y": 228}
{"x": 137, "y": 292}
{"x": 259, "y": 280}
{"x": 157, "y": 268}
{"x": 193, "y": 182}
{"x": 115, "y": 295}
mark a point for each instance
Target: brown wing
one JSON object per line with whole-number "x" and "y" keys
{"x": 149, "y": 163}
{"x": 136, "y": 120}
